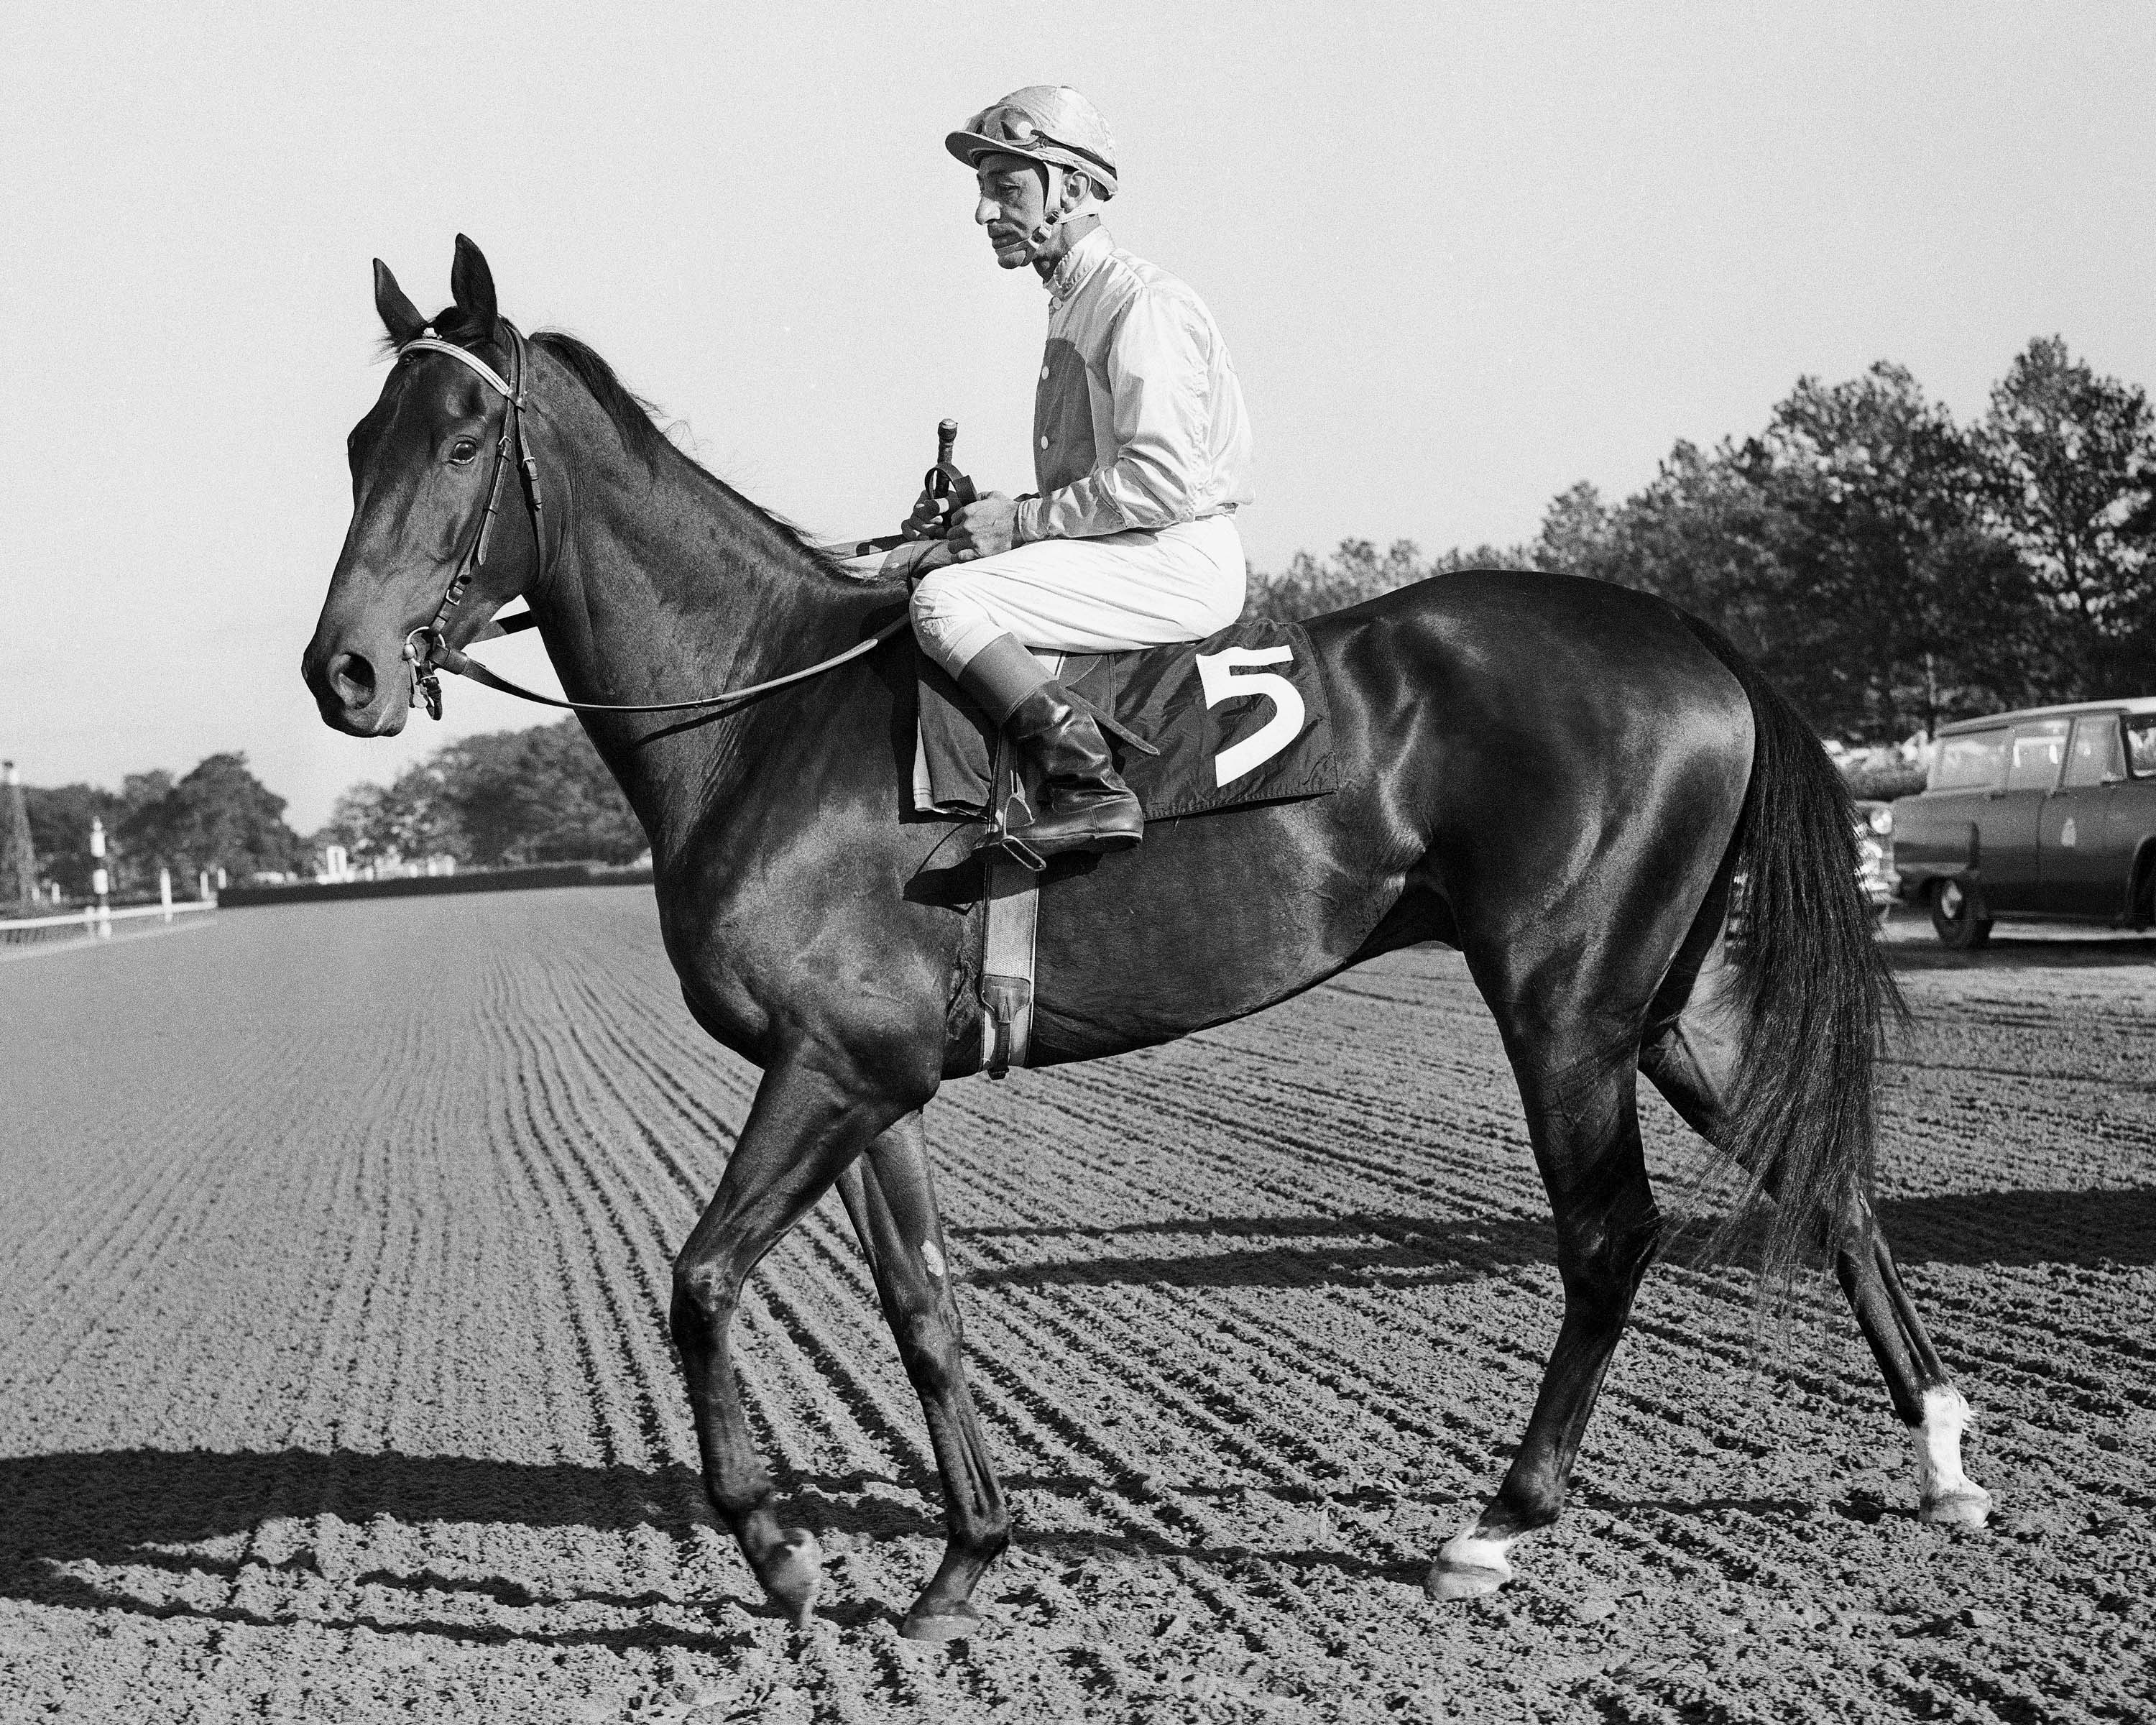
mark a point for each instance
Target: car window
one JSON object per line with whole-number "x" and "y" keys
{"x": 2093, "y": 755}
{"x": 2141, "y": 745}
{"x": 2038, "y": 746}
{"x": 1973, "y": 762}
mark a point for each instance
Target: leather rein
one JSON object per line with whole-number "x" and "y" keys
{"x": 427, "y": 650}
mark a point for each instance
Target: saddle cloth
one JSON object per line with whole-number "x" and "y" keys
{"x": 1239, "y": 718}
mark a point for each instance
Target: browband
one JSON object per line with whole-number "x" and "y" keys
{"x": 435, "y": 344}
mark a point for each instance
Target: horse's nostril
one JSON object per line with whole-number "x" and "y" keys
{"x": 353, "y": 677}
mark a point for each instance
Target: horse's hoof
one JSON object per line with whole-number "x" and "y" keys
{"x": 1469, "y": 1566}
{"x": 950, "y": 1623}
{"x": 792, "y": 1572}
{"x": 1965, "y": 1507}
{"x": 1464, "y": 1581}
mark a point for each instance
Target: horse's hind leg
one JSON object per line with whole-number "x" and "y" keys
{"x": 1866, "y": 1268}
{"x": 1691, "y": 1052}
{"x": 891, "y": 1199}
{"x": 1580, "y": 1106}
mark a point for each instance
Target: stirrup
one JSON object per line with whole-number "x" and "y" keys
{"x": 1012, "y": 847}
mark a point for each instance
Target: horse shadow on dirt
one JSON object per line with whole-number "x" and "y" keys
{"x": 69, "y": 1521}
{"x": 2092, "y": 1229}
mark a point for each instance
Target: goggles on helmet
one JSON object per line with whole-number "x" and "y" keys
{"x": 1007, "y": 124}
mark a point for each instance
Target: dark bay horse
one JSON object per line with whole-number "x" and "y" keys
{"x": 1559, "y": 777}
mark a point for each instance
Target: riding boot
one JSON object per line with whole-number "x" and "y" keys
{"x": 1084, "y": 805}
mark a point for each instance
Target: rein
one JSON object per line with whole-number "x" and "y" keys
{"x": 427, "y": 650}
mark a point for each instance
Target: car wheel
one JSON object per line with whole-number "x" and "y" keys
{"x": 1958, "y": 917}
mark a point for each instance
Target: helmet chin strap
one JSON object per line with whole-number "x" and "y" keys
{"x": 1053, "y": 215}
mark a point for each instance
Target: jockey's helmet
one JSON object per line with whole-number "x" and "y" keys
{"x": 1048, "y": 123}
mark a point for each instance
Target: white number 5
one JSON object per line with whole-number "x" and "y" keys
{"x": 1216, "y": 676}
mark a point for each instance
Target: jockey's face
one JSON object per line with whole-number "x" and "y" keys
{"x": 1013, "y": 203}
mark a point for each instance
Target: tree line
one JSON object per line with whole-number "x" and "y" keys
{"x": 219, "y": 816}
{"x": 502, "y": 800}
{"x": 1887, "y": 567}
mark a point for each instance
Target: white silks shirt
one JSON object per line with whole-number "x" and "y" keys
{"x": 1138, "y": 420}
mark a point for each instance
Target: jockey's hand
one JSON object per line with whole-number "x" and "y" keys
{"x": 927, "y": 520}
{"x": 985, "y": 527}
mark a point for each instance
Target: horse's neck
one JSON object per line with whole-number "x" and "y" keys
{"x": 660, "y": 576}
{"x": 664, "y": 587}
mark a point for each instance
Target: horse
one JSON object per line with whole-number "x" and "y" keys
{"x": 1565, "y": 780}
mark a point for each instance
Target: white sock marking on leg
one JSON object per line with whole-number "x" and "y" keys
{"x": 1938, "y": 1443}
{"x": 1939, "y": 1475}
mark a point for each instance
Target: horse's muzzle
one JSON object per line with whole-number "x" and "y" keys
{"x": 354, "y": 693}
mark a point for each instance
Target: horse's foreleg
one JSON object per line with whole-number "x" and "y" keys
{"x": 892, "y": 1198}
{"x": 805, "y": 1126}
{"x": 1587, "y": 1144}
{"x": 1692, "y": 1060}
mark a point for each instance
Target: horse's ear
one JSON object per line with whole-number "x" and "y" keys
{"x": 399, "y": 315}
{"x": 472, "y": 285}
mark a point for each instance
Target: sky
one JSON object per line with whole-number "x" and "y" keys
{"x": 1465, "y": 257}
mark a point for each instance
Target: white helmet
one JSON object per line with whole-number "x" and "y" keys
{"x": 1048, "y": 123}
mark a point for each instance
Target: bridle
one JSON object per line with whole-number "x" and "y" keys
{"x": 427, "y": 649}
{"x": 427, "y": 646}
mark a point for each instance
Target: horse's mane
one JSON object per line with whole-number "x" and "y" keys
{"x": 636, "y": 421}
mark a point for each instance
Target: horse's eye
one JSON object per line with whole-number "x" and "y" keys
{"x": 462, "y": 450}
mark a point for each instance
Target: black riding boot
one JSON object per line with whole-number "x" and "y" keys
{"x": 1084, "y": 805}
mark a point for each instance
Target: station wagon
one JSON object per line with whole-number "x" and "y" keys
{"x": 2046, "y": 813}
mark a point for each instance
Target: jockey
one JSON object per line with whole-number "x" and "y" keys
{"x": 1140, "y": 451}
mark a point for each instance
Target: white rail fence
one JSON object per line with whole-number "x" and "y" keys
{"x": 90, "y": 923}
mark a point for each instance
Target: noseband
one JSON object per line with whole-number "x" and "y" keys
{"x": 427, "y": 649}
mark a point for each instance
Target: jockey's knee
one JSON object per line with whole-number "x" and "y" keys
{"x": 931, "y": 600}
{"x": 949, "y": 628}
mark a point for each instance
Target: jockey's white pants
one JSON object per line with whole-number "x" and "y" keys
{"x": 1102, "y": 595}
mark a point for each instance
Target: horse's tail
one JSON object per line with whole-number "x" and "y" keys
{"x": 1814, "y": 989}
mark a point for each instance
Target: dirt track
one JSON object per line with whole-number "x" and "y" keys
{"x": 334, "y": 1382}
